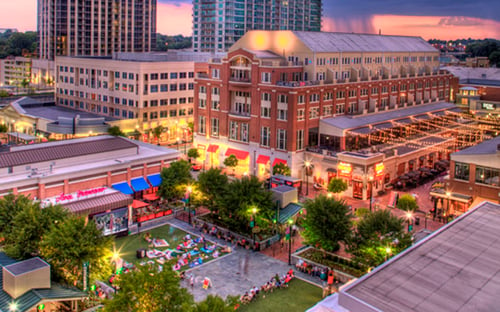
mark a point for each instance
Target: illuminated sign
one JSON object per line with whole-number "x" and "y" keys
{"x": 489, "y": 106}
{"x": 73, "y": 196}
{"x": 379, "y": 169}
{"x": 344, "y": 169}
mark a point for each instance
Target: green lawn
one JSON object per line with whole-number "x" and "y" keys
{"x": 128, "y": 245}
{"x": 298, "y": 297}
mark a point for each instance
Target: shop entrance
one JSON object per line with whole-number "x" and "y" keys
{"x": 357, "y": 189}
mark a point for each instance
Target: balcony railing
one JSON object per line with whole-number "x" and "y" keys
{"x": 240, "y": 79}
{"x": 239, "y": 114}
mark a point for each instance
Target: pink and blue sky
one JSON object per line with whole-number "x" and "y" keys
{"x": 443, "y": 19}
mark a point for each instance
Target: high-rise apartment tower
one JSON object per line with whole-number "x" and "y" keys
{"x": 95, "y": 27}
{"x": 218, "y": 24}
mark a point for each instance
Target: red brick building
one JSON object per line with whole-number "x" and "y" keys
{"x": 264, "y": 102}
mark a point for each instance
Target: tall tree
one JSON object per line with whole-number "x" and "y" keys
{"x": 175, "y": 180}
{"x": 70, "y": 243}
{"x": 157, "y": 133}
{"x": 212, "y": 183}
{"x": 28, "y": 227}
{"x": 149, "y": 289}
{"x": 282, "y": 169}
{"x": 327, "y": 222}
{"x": 10, "y": 206}
{"x": 240, "y": 197}
{"x": 378, "y": 236}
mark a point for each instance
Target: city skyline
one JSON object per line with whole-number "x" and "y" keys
{"x": 428, "y": 19}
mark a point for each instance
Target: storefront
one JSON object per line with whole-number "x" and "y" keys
{"x": 110, "y": 209}
{"x": 243, "y": 160}
{"x": 263, "y": 166}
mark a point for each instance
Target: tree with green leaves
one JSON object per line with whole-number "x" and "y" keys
{"x": 68, "y": 244}
{"x": 157, "y": 133}
{"x": 115, "y": 131}
{"x": 231, "y": 161}
{"x": 28, "y": 227}
{"x": 10, "y": 206}
{"x": 3, "y": 127}
{"x": 378, "y": 236}
{"x": 212, "y": 183}
{"x": 193, "y": 153}
{"x": 146, "y": 288}
{"x": 281, "y": 168}
{"x": 175, "y": 179}
{"x": 337, "y": 186}
{"x": 407, "y": 202}
{"x": 240, "y": 197}
{"x": 215, "y": 303}
{"x": 327, "y": 222}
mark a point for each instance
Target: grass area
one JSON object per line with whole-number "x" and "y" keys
{"x": 298, "y": 297}
{"x": 128, "y": 245}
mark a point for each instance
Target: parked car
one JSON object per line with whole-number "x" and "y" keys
{"x": 196, "y": 167}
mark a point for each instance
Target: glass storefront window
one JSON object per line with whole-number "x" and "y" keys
{"x": 112, "y": 222}
{"x": 462, "y": 171}
{"x": 488, "y": 176}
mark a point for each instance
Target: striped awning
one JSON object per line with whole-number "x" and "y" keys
{"x": 99, "y": 204}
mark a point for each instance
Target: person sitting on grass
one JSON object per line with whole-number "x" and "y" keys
{"x": 147, "y": 237}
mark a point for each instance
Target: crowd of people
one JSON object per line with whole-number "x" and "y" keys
{"x": 276, "y": 282}
{"x": 312, "y": 270}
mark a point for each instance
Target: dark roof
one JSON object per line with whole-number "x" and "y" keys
{"x": 100, "y": 204}
{"x": 289, "y": 211}
{"x": 26, "y": 266}
{"x": 283, "y": 189}
{"x": 52, "y": 150}
{"x": 34, "y": 297}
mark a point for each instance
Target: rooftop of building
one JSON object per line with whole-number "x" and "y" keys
{"x": 352, "y": 42}
{"x": 170, "y": 56}
{"x": 48, "y": 110}
{"x": 490, "y": 147}
{"x": 110, "y": 147}
{"x": 355, "y": 121}
{"x": 475, "y": 75}
{"x": 453, "y": 269}
{"x": 29, "y": 300}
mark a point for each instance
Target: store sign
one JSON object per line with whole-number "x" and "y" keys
{"x": 379, "y": 169}
{"x": 489, "y": 106}
{"x": 77, "y": 195}
{"x": 344, "y": 169}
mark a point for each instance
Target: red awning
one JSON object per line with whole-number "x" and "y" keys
{"x": 139, "y": 204}
{"x": 150, "y": 196}
{"x": 279, "y": 161}
{"x": 213, "y": 148}
{"x": 262, "y": 159}
{"x": 241, "y": 155}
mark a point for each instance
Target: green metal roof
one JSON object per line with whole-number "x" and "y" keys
{"x": 289, "y": 211}
{"x": 34, "y": 297}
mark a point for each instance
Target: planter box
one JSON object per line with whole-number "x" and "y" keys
{"x": 340, "y": 275}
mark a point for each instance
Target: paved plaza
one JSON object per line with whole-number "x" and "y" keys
{"x": 233, "y": 274}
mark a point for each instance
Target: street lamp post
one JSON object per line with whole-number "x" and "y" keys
{"x": 388, "y": 251}
{"x": 252, "y": 225}
{"x": 371, "y": 192}
{"x": 409, "y": 217}
{"x": 448, "y": 194}
{"x": 185, "y": 139}
{"x": 290, "y": 222}
{"x": 189, "y": 190}
{"x": 177, "y": 143}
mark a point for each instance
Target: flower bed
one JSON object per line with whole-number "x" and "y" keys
{"x": 333, "y": 261}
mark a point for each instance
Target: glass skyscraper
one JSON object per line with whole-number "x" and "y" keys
{"x": 218, "y": 24}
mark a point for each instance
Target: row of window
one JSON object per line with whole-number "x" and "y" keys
{"x": 370, "y": 60}
{"x": 167, "y": 113}
{"x": 126, "y": 75}
{"x": 484, "y": 175}
{"x": 99, "y": 109}
{"x": 172, "y": 87}
{"x": 239, "y": 131}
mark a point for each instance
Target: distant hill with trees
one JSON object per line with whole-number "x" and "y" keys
{"x": 473, "y": 47}
{"x": 174, "y": 42}
{"x": 17, "y": 43}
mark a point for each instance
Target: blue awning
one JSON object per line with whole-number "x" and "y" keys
{"x": 154, "y": 179}
{"x": 123, "y": 187}
{"x": 139, "y": 184}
